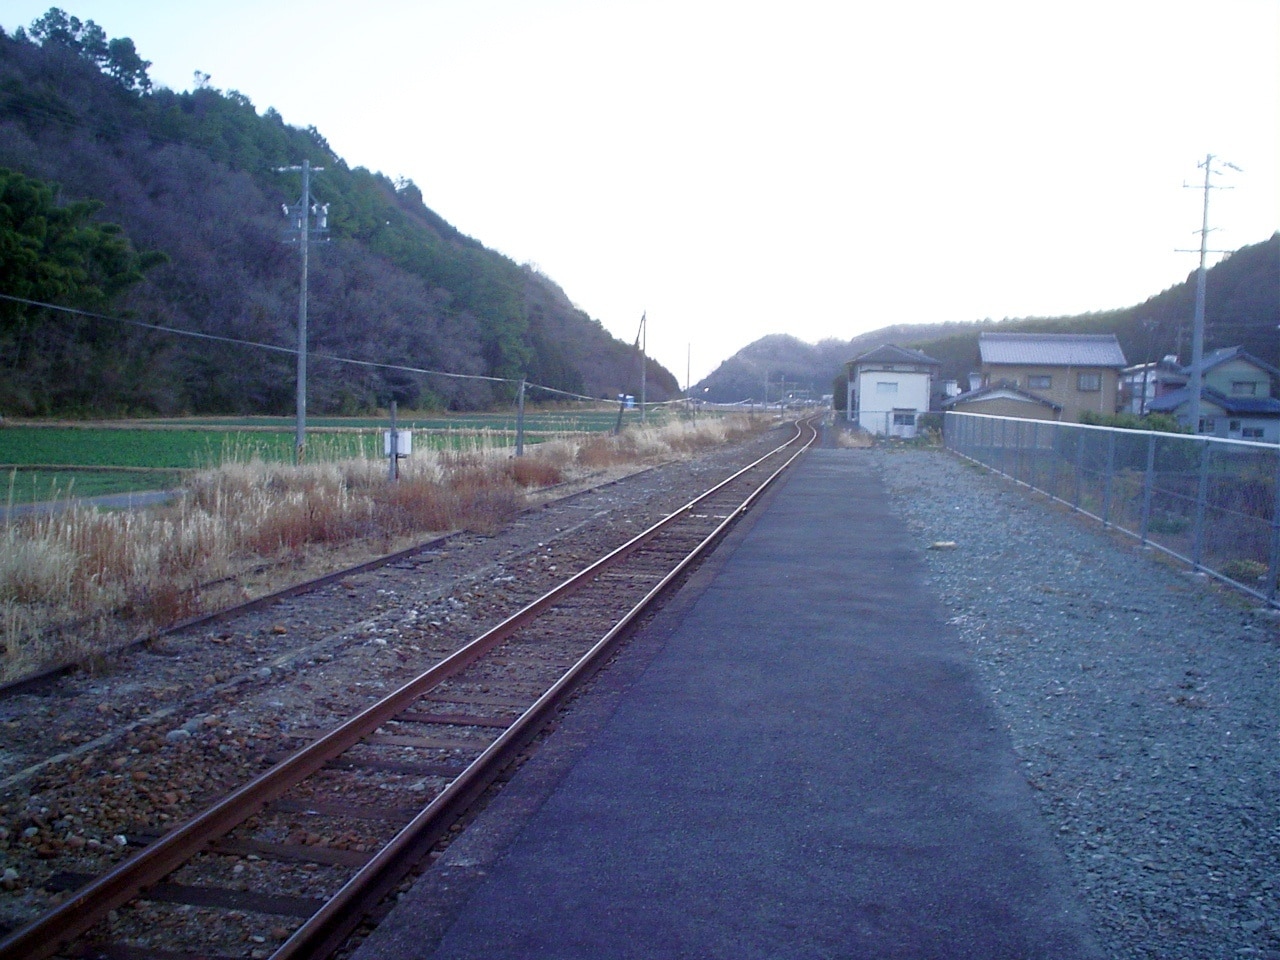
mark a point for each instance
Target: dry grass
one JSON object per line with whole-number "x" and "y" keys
{"x": 77, "y": 581}
{"x": 852, "y": 439}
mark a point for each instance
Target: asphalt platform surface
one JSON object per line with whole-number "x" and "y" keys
{"x": 794, "y": 760}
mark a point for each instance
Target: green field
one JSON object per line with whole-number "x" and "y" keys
{"x": 158, "y": 447}
{"x": 534, "y": 421}
{"x": 184, "y": 449}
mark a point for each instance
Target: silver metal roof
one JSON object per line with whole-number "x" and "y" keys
{"x": 1052, "y": 349}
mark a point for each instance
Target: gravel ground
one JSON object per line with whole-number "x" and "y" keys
{"x": 1141, "y": 701}
{"x": 94, "y": 761}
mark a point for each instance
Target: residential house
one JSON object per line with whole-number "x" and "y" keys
{"x": 1004, "y": 399}
{"x": 1049, "y": 376}
{"x": 1236, "y": 397}
{"x": 889, "y": 388}
{"x": 1143, "y": 383}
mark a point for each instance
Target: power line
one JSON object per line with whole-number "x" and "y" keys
{"x": 291, "y": 351}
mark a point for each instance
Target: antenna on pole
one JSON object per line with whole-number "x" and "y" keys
{"x": 299, "y": 231}
{"x": 1197, "y": 323}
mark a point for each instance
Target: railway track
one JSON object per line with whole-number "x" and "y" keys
{"x": 294, "y": 859}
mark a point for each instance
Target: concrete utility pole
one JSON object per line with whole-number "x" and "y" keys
{"x": 299, "y": 231}
{"x": 1197, "y": 323}
{"x": 688, "y": 382}
{"x": 644, "y": 345}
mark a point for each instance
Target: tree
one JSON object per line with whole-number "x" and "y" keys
{"x": 53, "y": 252}
{"x": 124, "y": 64}
{"x": 59, "y": 254}
{"x": 194, "y": 174}
{"x": 56, "y": 27}
{"x": 117, "y": 58}
{"x": 87, "y": 38}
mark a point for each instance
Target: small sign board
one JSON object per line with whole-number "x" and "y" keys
{"x": 404, "y": 443}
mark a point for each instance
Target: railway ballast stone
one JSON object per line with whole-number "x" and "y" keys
{"x": 1141, "y": 700}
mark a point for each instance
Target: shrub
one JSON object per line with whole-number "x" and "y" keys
{"x": 1245, "y": 571}
{"x": 535, "y": 471}
{"x": 1160, "y": 422}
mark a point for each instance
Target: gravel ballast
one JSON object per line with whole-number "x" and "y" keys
{"x": 1140, "y": 698}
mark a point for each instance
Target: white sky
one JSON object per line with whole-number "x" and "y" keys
{"x": 740, "y": 168}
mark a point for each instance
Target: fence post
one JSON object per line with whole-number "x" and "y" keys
{"x": 1106, "y": 485}
{"x": 1202, "y": 497}
{"x": 1148, "y": 485}
{"x": 1052, "y": 462}
{"x": 1035, "y": 452}
{"x": 1019, "y": 451}
{"x": 1075, "y": 499}
{"x": 1273, "y": 574}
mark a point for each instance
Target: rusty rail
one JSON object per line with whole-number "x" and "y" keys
{"x": 326, "y": 929}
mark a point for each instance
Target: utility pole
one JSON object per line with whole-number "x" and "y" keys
{"x": 688, "y": 380}
{"x": 644, "y": 345}
{"x": 520, "y": 420}
{"x": 299, "y": 231}
{"x": 1197, "y": 323}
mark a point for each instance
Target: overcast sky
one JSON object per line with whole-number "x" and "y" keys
{"x": 740, "y": 168}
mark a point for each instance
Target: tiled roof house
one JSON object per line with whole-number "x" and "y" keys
{"x": 1045, "y": 376}
{"x": 889, "y": 387}
{"x": 1236, "y": 397}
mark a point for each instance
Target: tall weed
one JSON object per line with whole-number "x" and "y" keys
{"x": 83, "y": 577}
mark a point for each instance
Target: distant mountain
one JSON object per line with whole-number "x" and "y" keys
{"x": 1242, "y": 308}
{"x": 788, "y": 365}
{"x": 193, "y": 182}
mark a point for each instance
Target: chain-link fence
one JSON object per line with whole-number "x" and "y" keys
{"x": 1208, "y": 502}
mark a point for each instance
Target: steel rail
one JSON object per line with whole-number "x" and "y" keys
{"x": 34, "y": 681}
{"x": 61, "y": 925}
{"x": 328, "y": 929}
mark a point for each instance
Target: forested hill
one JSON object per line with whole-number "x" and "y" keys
{"x": 1242, "y": 308}
{"x": 124, "y": 200}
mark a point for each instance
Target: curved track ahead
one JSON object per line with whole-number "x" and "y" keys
{"x": 448, "y": 733}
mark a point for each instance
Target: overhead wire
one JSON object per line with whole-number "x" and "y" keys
{"x": 292, "y": 351}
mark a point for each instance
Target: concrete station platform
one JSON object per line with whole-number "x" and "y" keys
{"x": 794, "y": 760}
